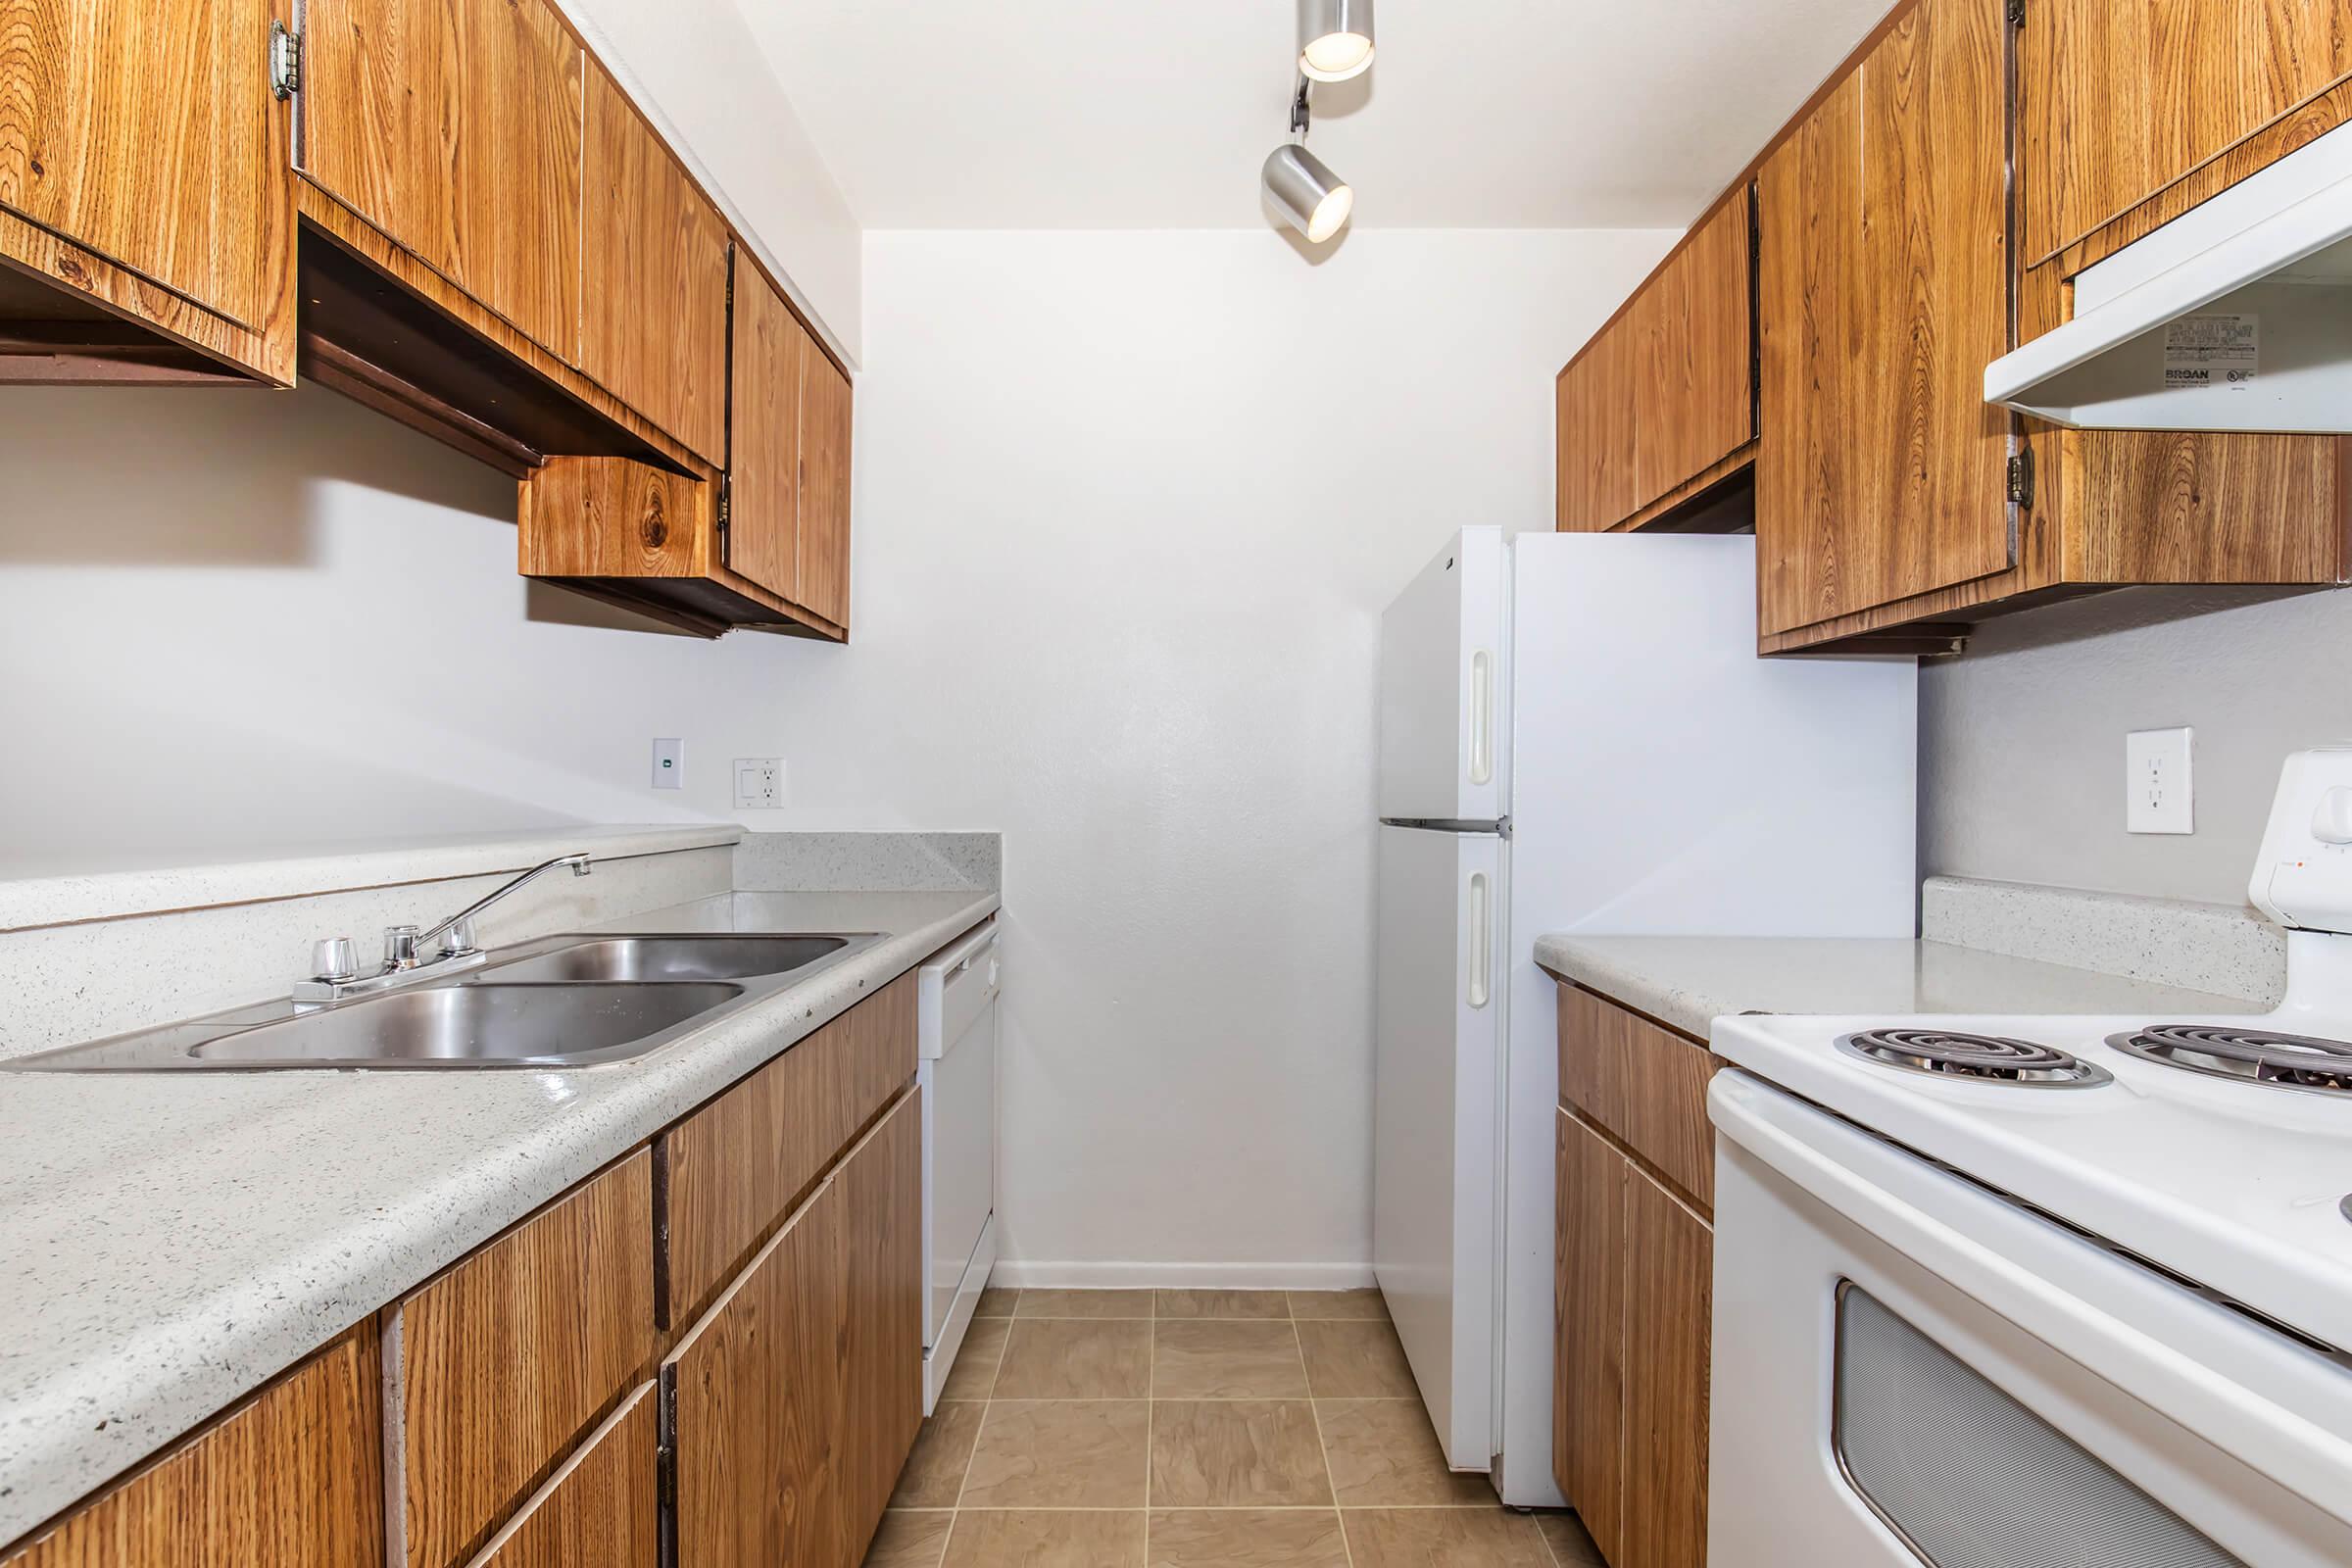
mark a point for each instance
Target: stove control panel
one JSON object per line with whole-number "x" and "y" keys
{"x": 2303, "y": 873}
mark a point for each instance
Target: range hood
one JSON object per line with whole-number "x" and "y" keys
{"x": 2236, "y": 315}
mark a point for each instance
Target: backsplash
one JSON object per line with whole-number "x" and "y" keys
{"x": 2176, "y": 942}
{"x": 869, "y": 862}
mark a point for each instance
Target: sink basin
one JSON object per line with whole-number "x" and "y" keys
{"x": 517, "y": 1025}
{"x": 668, "y": 959}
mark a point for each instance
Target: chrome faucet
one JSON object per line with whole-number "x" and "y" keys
{"x": 334, "y": 972}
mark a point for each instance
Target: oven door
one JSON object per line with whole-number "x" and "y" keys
{"x": 1909, "y": 1368}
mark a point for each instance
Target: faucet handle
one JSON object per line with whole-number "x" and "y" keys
{"x": 459, "y": 942}
{"x": 334, "y": 959}
{"x": 400, "y": 948}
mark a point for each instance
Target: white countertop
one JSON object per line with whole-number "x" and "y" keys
{"x": 1688, "y": 982}
{"x": 169, "y": 1242}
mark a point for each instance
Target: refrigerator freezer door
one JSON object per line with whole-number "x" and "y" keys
{"x": 1445, "y": 730}
{"x": 1440, "y": 1031}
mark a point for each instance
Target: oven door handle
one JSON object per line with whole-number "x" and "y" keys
{"x": 2304, "y": 1456}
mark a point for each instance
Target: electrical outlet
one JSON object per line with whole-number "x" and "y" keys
{"x": 2157, "y": 793}
{"x": 669, "y": 763}
{"x": 758, "y": 783}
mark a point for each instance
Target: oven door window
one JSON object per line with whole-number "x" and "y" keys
{"x": 1968, "y": 1477}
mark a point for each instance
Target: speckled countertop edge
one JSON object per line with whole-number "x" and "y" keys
{"x": 112, "y": 895}
{"x": 146, "y": 1284}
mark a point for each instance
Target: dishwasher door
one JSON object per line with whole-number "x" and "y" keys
{"x": 956, "y": 1012}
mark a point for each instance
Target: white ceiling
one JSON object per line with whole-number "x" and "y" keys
{"x": 1155, "y": 113}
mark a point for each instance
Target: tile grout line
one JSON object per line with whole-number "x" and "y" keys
{"x": 1317, "y": 1416}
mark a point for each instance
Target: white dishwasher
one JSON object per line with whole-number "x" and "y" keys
{"x": 957, "y": 1072}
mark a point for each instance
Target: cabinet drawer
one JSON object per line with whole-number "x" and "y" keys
{"x": 734, "y": 1167}
{"x": 602, "y": 1507}
{"x": 1645, "y": 1085}
{"x": 287, "y": 1479}
{"x": 500, "y": 1364}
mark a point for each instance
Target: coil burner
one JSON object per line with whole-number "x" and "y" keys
{"x": 1983, "y": 1058}
{"x": 2249, "y": 1056}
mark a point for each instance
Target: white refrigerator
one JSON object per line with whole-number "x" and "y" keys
{"x": 1576, "y": 735}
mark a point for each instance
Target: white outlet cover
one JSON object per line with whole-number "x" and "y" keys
{"x": 2158, "y": 793}
{"x": 758, "y": 783}
{"x": 669, "y": 763}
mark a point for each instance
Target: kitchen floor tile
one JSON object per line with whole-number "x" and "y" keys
{"x": 996, "y": 1301}
{"x": 1029, "y": 1539}
{"x": 1064, "y": 1359}
{"x": 975, "y": 1373}
{"x": 1443, "y": 1538}
{"x": 1223, "y": 1303}
{"x": 1225, "y": 1360}
{"x": 1571, "y": 1546}
{"x": 1236, "y": 1454}
{"x": 1299, "y": 1538}
{"x": 1367, "y": 1302}
{"x": 943, "y": 1452}
{"x": 1084, "y": 1303}
{"x": 1355, "y": 1361}
{"x": 1061, "y": 1453}
{"x": 1383, "y": 1455}
{"x": 910, "y": 1539}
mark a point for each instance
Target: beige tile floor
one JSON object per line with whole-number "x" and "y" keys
{"x": 1195, "y": 1429}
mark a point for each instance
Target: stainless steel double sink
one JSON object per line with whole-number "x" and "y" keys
{"x": 577, "y": 1001}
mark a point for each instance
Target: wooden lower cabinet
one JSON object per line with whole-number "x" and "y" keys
{"x": 799, "y": 1392}
{"x": 291, "y": 1479}
{"x": 1587, "y": 1409}
{"x": 1670, "y": 1293}
{"x": 603, "y": 1507}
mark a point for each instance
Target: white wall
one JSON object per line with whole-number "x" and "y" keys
{"x": 1128, "y": 506}
{"x": 2022, "y": 740}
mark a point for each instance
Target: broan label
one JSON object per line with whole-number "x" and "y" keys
{"x": 2224, "y": 351}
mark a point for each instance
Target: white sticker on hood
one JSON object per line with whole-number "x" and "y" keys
{"x": 2212, "y": 351}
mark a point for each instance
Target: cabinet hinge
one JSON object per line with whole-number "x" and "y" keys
{"x": 286, "y": 62}
{"x": 2020, "y": 479}
{"x": 2017, "y": 13}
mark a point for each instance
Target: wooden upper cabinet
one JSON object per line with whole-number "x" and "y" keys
{"x": 148, "y": 135}
{"x": 824, "y": 541}
{"x": 654, "y": 286}
{"x": 1596, "y": 427}
{"x": 1883, "y": 291}
{"x": 456, "y": 130}
{"x": 2119, "y": 102}
{"x": 772, "y": 353}
{"x": 290, "y": 1479}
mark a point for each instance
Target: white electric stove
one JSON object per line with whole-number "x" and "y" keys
{"x": 2004, "y": 1292}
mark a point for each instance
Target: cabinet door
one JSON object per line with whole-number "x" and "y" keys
{"x": 288, "y": 1480}
{"x": 603, "y": 1507}
{"x": 1692, "y": 396}
{"x": 454, "y": 129}
{"x": 1587, "y": 1401}
{"x": 1596, "y": 426}
{"x": 1883, "y": 293}
{"x": 146, "y": 133}
{"x": 2115, "y": 102}
{"x": 772, "y": 356}
{"x": 824, "y": 541}
{"x": 882, "y": 1191}
{"x": 654, "y": 280}
{"x": 758, "y": 1429}
{"x": 1670, "y": 1293}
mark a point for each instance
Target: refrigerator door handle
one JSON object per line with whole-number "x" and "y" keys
{"x": 1482, "y": 940}
{"x": 1482, "y": 717}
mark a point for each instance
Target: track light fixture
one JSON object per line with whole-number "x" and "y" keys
{"x": 1335, "y": 38}
{"x": 1312, "y": 199}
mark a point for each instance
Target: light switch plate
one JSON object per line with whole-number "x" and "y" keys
{"x": 669, "y": 763}
{"x": 2157, "y": 793}
{"x": 758, "y": 783}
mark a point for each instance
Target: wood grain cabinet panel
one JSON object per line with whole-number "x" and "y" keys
{"x": 1670, "y": 1257}
{"x": 504, "y": 1360}
{"x": 772, "y": 357}
{"x": 734, "y": 1167}
{"x": 602, "y": 1509}
{"x": 1645, "y": 1085}
{"x": 1694, "y": 388}
{"x": 824, "y": 536}
{"x": 147, "y": 135}
{"x": 290, "y": 1479}
{"x": 882, "y": 1190}
{"x": 1883, "y": 291}
{"x": 2115, "y": 103}
{"x": 653, "y": 283}
{"x": 1588, "y": 1410}
{"x": 455, "y": 128}
{"x": 1596, "y": 427}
